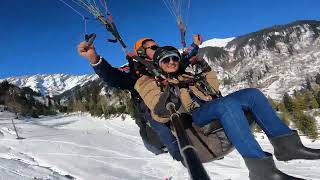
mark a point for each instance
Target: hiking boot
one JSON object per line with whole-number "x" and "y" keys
{"x": 288, "y": 147}
{"x": 265, "y": 169}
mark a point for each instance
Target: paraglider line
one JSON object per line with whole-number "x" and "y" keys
{"x": 73, "y": 9}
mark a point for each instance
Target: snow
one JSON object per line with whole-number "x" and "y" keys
{"x": 216, "y": 42}
{"x": 83, "y": 147}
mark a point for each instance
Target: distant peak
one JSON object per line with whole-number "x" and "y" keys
{"x": 50, "y": 83}
{"x": 215, "y": 42}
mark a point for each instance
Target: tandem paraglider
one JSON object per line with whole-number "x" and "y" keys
{"x": 179, "y": 104}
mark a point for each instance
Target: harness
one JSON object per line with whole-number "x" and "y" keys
{"x": 140, "y": 66}
{"x": 201, "y": 83}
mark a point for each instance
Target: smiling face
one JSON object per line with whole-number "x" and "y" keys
{"x": 169, "y": 64}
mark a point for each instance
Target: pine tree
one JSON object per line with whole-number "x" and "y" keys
{"x": 132, "y": 109}
{"x": 96, "y": 110}
{"x": 308, "y": 84}
{"x": 306, "y": 124}
{"x": 295, "y": 92}
{"x": 288, "y": 102}
{"x": 284, "y": 114}
{"x": 309, "y": 101}
{"x": 4, "y": 86}
{"x": 299, "y": 103}
{"x": 273, "y": 104}
{"x": 110, "y": 110}
{"x": 314, "y": 104}
{"x": 318, "y": 78}
{"x": 318, "y": 97}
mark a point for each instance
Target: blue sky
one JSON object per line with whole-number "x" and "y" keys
{"x": 40, "y": 36}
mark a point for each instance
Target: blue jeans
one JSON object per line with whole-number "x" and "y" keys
{"x": 151, "y": 148}
{"x": 167, "y": 138}
{"x": 165, "y": 134}
{"x": 229, "y": 110}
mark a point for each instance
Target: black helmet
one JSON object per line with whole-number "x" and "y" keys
{"x": 165, "y": 51}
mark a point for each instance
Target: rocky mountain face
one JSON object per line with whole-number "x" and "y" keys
{"x": 275, "y": 60}
{"x": 95, "y": 94}
{"x": 24, "y": 101}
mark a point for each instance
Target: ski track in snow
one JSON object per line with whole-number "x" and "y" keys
{"x": 72, "y": 144}
{"x": 82, "y": 147}
{"x": 22, "y": 166}
{"x": 15, "y": 172}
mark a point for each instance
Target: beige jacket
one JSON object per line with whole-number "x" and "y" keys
{"x": 150, "y": 92}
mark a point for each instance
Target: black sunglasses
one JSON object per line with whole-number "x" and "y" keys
{"x": 154, "y": 47}
{"x": 170, "y": 58}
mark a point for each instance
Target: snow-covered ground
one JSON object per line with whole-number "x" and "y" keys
{"x": 83, "y": 147}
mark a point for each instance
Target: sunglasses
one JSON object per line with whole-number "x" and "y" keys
{"x": 154, "y": 47}
{"x": 166, "y": 60}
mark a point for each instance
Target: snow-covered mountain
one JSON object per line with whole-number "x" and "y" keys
{"x": 215, "y": 42}
{"x": 276, "y": 59}
{"x": 51, "y": 84}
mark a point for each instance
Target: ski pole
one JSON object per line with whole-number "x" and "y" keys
{"x": 187, "y": 150}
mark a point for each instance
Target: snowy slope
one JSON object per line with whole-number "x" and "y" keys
{"x": 84, "y": 147}
{"x": 50, "y": 84}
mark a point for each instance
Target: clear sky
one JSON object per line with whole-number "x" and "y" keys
{"x": 40, "y": 36}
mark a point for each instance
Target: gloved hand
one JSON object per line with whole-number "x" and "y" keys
{"x": 160, "y": 108}
{"x": 88, "y": 52}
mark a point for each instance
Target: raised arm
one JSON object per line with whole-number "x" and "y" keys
{"x": 190, "y": 55}
{"x": 111, "y": 75}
